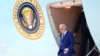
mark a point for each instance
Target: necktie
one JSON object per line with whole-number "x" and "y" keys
{"x": 62, "y": 36}
{"x": 61, "y": 39}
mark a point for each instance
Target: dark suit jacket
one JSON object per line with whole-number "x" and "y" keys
{"x": 67, "y": 42}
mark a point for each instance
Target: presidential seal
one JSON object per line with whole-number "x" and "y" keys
{"x": 28, "y": 18}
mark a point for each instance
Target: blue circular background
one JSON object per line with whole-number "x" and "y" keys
{"x": 36, "y": 16}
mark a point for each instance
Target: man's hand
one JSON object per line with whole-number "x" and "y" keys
{"x": 66, "y": 50}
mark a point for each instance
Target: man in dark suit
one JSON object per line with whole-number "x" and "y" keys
{"x": 66, "y": 42}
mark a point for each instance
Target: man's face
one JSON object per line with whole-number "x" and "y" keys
{"x": 62, "y": 29}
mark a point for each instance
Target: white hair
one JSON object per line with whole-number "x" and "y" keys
{"x": 62, "y": 26}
